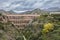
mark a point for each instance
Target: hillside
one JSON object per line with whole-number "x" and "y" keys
{"x": 43, "y": 28}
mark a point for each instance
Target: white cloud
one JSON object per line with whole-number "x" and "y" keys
{"x": 14, "y": 6}
{"x": 28, "y": 4}
{"x": 20, "y": 11}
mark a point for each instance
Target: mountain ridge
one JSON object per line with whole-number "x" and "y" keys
{"x": 35, "y": 11}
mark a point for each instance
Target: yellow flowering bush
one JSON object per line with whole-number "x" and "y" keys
{"x": 44, "y": 31}
{"x": 47, "y": 27}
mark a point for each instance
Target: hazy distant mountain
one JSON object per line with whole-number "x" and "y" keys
{"x": 2, "y": 11}
{"x": 36, "y": 11}
{"x": 54, "y": 9}
{"x": 7, "y": 12}
{"x": 11, "y": 11}
{"x": 39, "y": 11}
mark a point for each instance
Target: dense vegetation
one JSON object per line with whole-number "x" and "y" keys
{"x": 45, "y": 27}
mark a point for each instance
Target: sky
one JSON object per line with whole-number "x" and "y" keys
{"x": 25, "y": 5}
